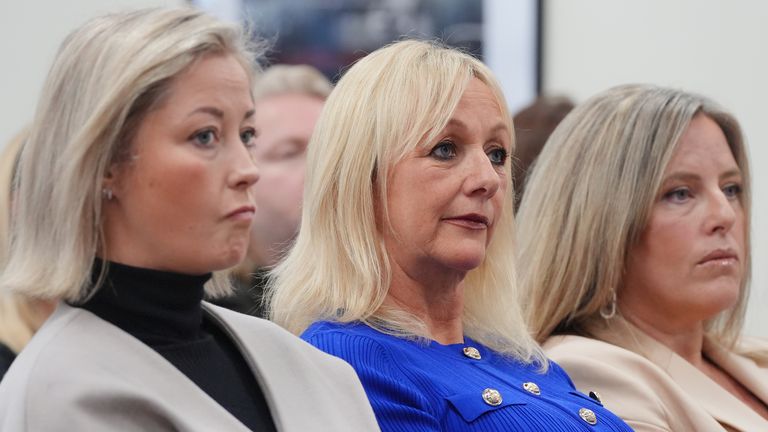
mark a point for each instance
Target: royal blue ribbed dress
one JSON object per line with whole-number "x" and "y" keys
{"x": 415, "y": 387}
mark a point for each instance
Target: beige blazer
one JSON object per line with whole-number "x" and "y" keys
{"x": 654, "y": 389}
{"x": 81, "y": 373}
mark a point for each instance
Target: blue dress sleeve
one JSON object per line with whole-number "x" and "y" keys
{"x": 398, "y": 405}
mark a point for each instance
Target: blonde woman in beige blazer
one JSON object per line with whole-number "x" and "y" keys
{"x": 635, "y": 260}
{"x": 136, "y": 183}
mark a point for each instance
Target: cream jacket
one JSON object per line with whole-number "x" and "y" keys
{"x": 81, "y": 373}
{"x": 654, "y": 389}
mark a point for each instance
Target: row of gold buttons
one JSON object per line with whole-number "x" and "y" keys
{"x": 493, "y": 398}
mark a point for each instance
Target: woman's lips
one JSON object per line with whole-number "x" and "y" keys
{"x": 244, "y": 213}
{"x": 471, "y": 221}
{"x": 720, "y": 260}
{"x": 720, "y": 256}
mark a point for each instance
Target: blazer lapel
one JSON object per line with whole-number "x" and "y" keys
{"x": 723, "y": 406}
{"x": 160, "y": 382}
{"x": 745, "y": 370}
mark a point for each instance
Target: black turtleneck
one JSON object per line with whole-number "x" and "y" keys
{"x": 164, "y": 311}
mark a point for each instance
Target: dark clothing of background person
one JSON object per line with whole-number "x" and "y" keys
{"x": 248, "y": 294}
{"x": 6, "y": 358}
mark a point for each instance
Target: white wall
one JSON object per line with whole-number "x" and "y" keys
{"x": 713, "y": 47}
{"x": 30, "y": 34}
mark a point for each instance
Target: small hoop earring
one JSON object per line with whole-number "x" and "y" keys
{"x": 107, "y": 194}
{"x": 608, "y": 311}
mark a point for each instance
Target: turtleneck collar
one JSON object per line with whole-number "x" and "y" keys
{"x": 157, "y": 307}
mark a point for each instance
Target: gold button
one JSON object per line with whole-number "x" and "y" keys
{"x": 472, "y": 353}
{"x": 596, "y": 396}
{"x": 532, "y": 388}
{"x": 588, "y": 416}
{"x": 492, "y": 397}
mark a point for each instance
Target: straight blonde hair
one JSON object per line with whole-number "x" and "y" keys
{"x": 106, "y": 76}
{"x": 20, "y": 317}
{"x": 393, "y": 100}
{"x": 590, "y": 198}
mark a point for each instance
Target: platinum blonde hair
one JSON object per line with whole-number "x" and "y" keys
{"x": 106, "y": 76}
{"x": 302, "y": 79}
{"x": 20, "y": 317}
{"x": 393, "y": 100}
{"x": 590, "y": 198}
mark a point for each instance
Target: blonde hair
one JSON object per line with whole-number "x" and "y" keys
{"x": 107, "y": 75}
{"x": 303, "y": 79}
{"x": 20, "y": 317}
{"x": 590, "y": 198}
{"x": 393, "y": 100}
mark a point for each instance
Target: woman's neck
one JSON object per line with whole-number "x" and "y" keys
{"x": 687, "y": 341}
{"x": 438, "y": 300}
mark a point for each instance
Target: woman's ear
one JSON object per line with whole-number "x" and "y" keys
{"x": 109, "y": 183}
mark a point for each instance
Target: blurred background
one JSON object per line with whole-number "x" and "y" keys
{"x": 551, "y": 47}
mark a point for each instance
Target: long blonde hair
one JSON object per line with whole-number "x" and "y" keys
{"x": 391, "y": 101}
{"x": 107, "y": 74}
{"x": 20, "y": 317}
{"x": 590, "y": 198}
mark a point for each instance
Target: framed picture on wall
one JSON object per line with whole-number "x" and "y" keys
{"x": 332, "y": 34}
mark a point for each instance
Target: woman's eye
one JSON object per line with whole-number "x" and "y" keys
{"x": 678, "y": 195}
{"x": 444, "y": 150}
{"x": 204, "y": 138}
{"x": 732, "y": 190}
{"x": 498, "y": 156}
{"x": 248, "y": 137}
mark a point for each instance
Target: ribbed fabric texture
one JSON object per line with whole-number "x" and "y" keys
{"x": 164, "y": 311}
{"x": 414, "y": 386}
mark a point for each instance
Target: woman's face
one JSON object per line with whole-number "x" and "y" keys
{"x": 445, "y": 198}
{"x": 689, "y": 263}
{"x": 285, "y": 123}
{"x": 183, "y": 202}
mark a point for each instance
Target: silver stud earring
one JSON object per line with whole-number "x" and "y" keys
{"x": 107, "y": 193}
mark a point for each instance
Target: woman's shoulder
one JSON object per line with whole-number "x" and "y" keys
{"x": 630, "y": 385}
{"x": 333, "y": 329}
{"x": 565, "y": 349}
{"x": 355, "y": 342}
{"x": 588, "y": 359}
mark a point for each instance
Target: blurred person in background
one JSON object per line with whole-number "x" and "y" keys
{"x": 20, "y": 317}
{"x": 136, "y": 183}
{"x": 288, "y": 101}
{"x": 533, "y": 126}
{"x": 635, "y": 260}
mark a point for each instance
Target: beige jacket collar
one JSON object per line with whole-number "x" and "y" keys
{"x": 718, "y": 402}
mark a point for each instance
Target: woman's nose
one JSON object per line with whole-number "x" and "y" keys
{"x": 721, "y": 214}
{"x": 482, "y": 176}
{"x": 244, "y": 172}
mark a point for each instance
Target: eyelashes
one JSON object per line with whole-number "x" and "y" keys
{"x": 447, "y": 149}
{"x": 684, "y": 193}
{"x": 208, "y": 137}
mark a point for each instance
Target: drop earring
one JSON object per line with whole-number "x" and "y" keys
{"x": 608, "y": 311}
